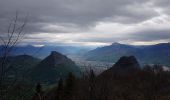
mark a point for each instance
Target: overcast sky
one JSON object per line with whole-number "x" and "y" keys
{"x": 90, "y": 22}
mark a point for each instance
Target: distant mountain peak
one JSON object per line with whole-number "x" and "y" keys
{"x": 55, "y": 58}
{"x": 55, "y": 53}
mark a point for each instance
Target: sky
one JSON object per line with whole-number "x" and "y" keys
{"x": 89, "y": 22}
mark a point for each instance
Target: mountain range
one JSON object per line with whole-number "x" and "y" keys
{"x": 153, "y": 54}
{"x": 43, "y": 51}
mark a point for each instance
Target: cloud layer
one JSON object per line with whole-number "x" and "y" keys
{"x": 90, "y": 22}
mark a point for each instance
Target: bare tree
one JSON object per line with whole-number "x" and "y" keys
{"x": 9, "y": 40}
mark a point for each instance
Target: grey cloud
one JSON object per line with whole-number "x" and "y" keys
{"x": 82, "y": 14}
{"x": 76, "y": 16}
{"x": 143, "y": 35}
{"x": 150, "y": 35}
{"x": 163, "y": 4}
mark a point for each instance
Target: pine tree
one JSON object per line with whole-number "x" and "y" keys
{"x": 91, "y": 76}
{"x": 70, "y": 86}
{"x": 39, "y": 92}
{"x": 92, "y": 86}
{"x": 60, "y": 90}
{"x": 38, "y": 88}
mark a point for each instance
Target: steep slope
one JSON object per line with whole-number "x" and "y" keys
{"x": 129, "y": 63}
{"x": 124, "y": 66}
{"x": 154, "y": 54}
{"x": 53, "y": 67}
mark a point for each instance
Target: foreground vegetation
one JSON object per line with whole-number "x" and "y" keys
{"x": 146, "y": 84}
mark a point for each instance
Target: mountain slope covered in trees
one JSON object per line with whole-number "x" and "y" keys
{"x": 20, "y": 65}
{"x": 54, "y": 67}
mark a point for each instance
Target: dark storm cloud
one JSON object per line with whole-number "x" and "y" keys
{"x": 82, "y": 14}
